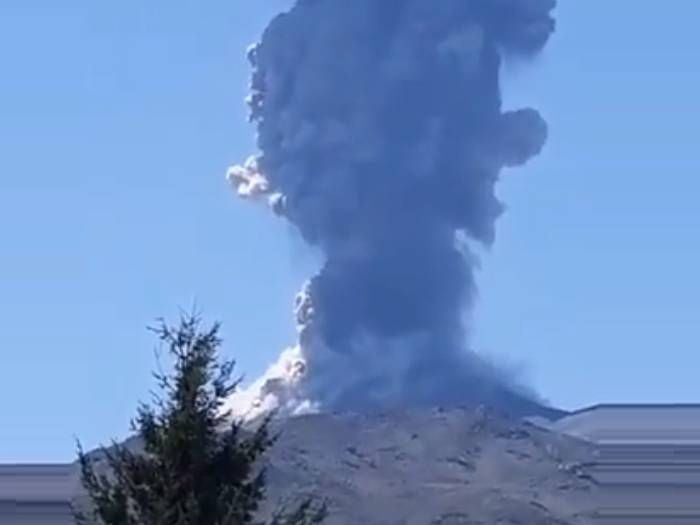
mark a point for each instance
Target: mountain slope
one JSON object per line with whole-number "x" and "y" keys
{"x": 429, "y": 467}
{"x": 432, "y": 467}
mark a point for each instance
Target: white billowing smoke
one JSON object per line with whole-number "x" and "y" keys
{"x": 381, "y": 138}
{"x": 280, "y": 387}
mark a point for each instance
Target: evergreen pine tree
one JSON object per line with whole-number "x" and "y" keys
{"x": 198, "y": 465}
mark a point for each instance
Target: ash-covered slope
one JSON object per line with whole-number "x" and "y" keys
{"x": 425, "y": 467}
{"x": 432, "y": 467}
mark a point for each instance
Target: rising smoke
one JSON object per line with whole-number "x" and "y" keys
{"x": 382, "y": 135}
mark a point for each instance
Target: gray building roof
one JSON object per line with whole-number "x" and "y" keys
{"x": 37, "y": 494}
{"x": 662, "y": 424}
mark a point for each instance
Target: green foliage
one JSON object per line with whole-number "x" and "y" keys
{"x": 197, "y": 466}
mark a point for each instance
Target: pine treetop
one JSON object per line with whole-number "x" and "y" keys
{"x": 197, "y": 466}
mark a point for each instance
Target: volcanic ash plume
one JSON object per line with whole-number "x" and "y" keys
{"x": 381, "y": 137}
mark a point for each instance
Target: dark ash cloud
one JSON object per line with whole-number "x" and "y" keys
{"x": 382, "y": 136}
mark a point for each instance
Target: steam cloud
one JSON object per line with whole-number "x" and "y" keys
{"x": 381, "y": 137}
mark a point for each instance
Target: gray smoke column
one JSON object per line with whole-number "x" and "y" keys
{"x": 382, "y": 135}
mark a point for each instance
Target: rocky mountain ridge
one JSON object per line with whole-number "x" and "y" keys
{"x": 458, "y": 466}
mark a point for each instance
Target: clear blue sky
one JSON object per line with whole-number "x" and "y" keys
{"x": 119, "y": 119}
